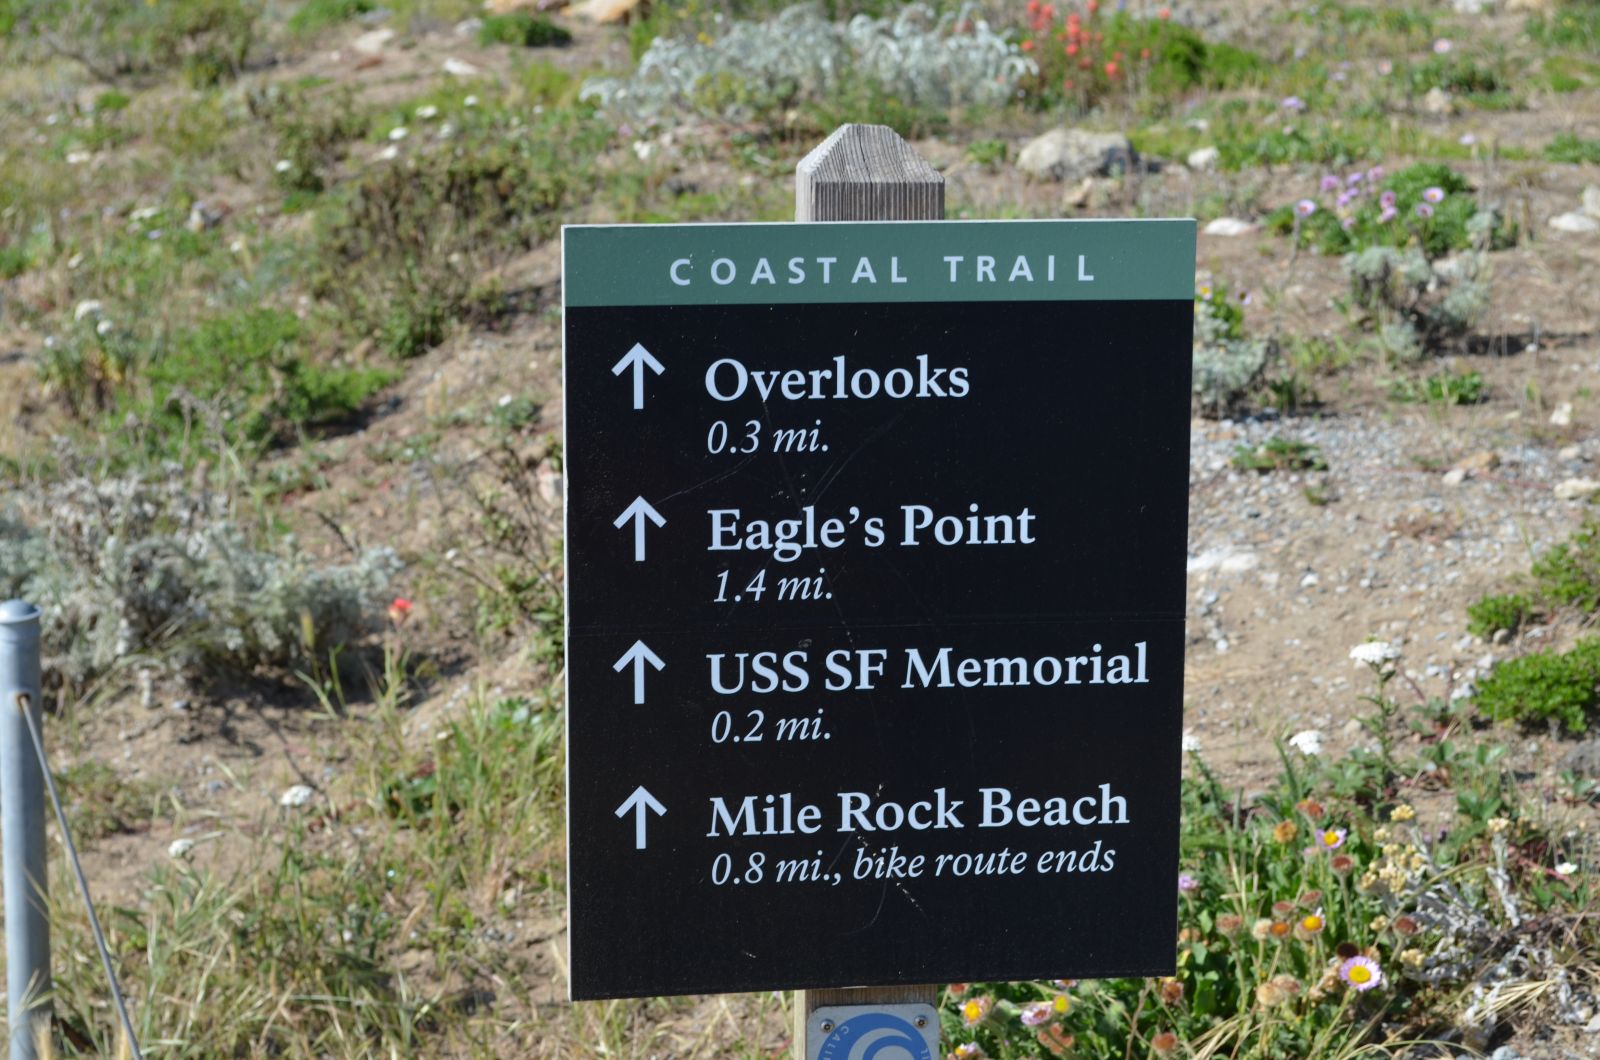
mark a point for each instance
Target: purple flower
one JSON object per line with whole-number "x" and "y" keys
{"x": 1385, "y": 67}
{"x": 1362, "y": 973}
{"x": 1442, "y": 45}
{"x": 1387, "y": 200}
{"x": 1187, "y": 883}
{"x": 1293, "y": 103}
{"x": 1433, "y": 195}
{"x": 1374, "y": 174}
{"x": 1355, "y": 178}
{"x": 1036, "y": 1013}
{"x": 1330, "y": 182}
{"x": 1348, "y": 223}
{"x": 1389, "y": 213}
{"x": 1344, "y": 199}
{"x": 1467, "y": 139}
{"x": 1424, "y": 210}
{"x": 1305, "y": 208}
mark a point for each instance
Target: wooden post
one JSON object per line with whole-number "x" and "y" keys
{"x": 864, "y": 173}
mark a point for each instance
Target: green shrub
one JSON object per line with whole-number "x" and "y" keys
{"x": 313, "y": 15}
{"x": 1568, "y": 147}
{"x": 1228, "y": 366}
{"x": 312, "y": 132}
{"x": 1443, "y": 388}
{"x": 1428, "y": 204}
{"x": 207, "y": 40}
{"x": 1279, "y": 454}
{"x": 521, "y": 29}
{"x": 1489, "y": 614}
{"x": 1569, "y": 573}
{"x": 1573, "y": 24}
{"x": 1545, "y": 687}
{"x": 1457, "y": 74}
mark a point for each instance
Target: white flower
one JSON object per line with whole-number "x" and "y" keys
{"x": 426, "y": 111}
{"x": 236, "y": 247}
{"x": 390, "y": 153}
{"x": 296, "y": 796}
{"x": 103, "y": 328}
{"x": 78, "y": 158}
{"x": 179, "y": 848}
{"x": 89, "y": 307}
{"x": 399, "y": 132}
{"x": 1191, "y": 743}
{"x": 470, "y": 101}
{"x": 1566, "y": 868}
{"x": 282, "y": 165}
{"x": 1374, "y": 653}
{"x": 1307, "y": 741}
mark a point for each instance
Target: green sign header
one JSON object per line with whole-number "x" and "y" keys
{"x": 883, "y": 261}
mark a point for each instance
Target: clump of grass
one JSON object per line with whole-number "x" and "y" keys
{"x": 1569, "y": 147}
{"x": 1279, "y": 454}
{"x": 314, "y": 15}
{"x": 522, "y": 29}
{"x": 1568, "y": 574}
{"x": 1488, "y": 615}
{"x": 1441, "y": 388}
{"x": 206, "y": 40}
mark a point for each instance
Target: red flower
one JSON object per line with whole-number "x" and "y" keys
{"x": 1027, "y": 45}
{"x": 1164, "y": 14}
{"x": 399, "y": 610}
{"x": 1111, "y": 69}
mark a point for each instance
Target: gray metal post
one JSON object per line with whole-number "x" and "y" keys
{"x": 22, "y": 820}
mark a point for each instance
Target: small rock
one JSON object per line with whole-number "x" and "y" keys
{"x": 1309, "y": 581}
{"x": 1473, "y": 7}
{"x": 1591, "y": 200}
{"x": 1437, "y": 101}
{"x": 1578, "y": 223}
{"x": 1455, "y": 476}
{"x": 1078, "y": 197}
{"x": 1224, "y": 560}
{"x": 1570, "y": 452}
{"x": 1562, "y": 416}
{"x": 1584, "y": 759}
{"x": 1230, "y": 226}
{"x": 373, "y": 41}
{"x": 179, "y": 705}
{"x": 296, "y": 796}
{"x": 203, "y": 217}
{"x": 468, "y": 27}
{"x": 179, "y": 848}
{"x": 1576, "y": 489}
{"x": 1483, "y": 460}
{"x": 459, "y": 67}
{"x": 1204, "y": 159}
{"x": 1072, "y": 154}
{"x": 1501, "y": 636}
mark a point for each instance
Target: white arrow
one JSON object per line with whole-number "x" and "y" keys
{"x": 640, "y": 802}
{"x": 638, "y": 655}
{"x": 638, "y": 359}
{"x": 639, "y": 511}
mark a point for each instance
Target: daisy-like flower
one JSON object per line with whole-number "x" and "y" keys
{"x": 1308, "y": 742}
{"x": 974, "y": 1010}
{"x": 1362, "y": 973}
{"x": 1229, "y": 924}
{"x": 1405, "y": 925}
{"x": 1310, "y": 900}
{"x": 1402, "y": 812}
{"x": 1061, "y": 1004}
{"x": 1293, "y": 104}
{"x": 1375, "y": 652}
{"x": 1285, "y": 831}
{"x": 1171, "y": 991}
{"x": 1443, "y": 45}
{"x": 1260, "y": 929}
{"x": 1346, "y": 950}
{"x": 1270, "y": 995}
{"x": 1305, "y": 208}
{"x": 1331, "y": 838}
{"x": 1434, "y": 195}
{"x": 967, "y": 1051}
{"x": 1279, "y": 930}
{"x": 1424, "y": 210}
{"x": 1342, "y": 864}
{"x": 1330, "y": 182}
{"x": 1187, "y": 883}
{"x": 1387, "y": 214}
{"x": 1566, "y": 868}
{"x": 1311, "y": 808}
{"x": 1037, "y": 1013}
{"x": 1163, "y": 1043}
{"x": 1387, "y": 201}
{"x": 1310, "y": 926}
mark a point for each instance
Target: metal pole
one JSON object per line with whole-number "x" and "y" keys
{"x": 22, "y": 822}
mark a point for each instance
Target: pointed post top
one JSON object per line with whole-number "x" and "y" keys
{"x": 867, "y": 173}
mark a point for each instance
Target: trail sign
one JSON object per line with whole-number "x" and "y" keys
{"x": 875, "y": 578}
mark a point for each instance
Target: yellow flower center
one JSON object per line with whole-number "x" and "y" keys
{"x": 1360, "y": 974}
{"x": 1330, "y": 838}
{"x": 1061, "y": 1003}
{"x": 1312, "y": 923}
{"x": 972, "y": 1011}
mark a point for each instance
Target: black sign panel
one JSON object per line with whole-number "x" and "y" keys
{"x": 875, "y": 603}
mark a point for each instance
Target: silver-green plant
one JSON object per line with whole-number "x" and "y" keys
{"x": 759, "y": 68}
{"x": 148, "y": 567}
{"x": 1228, "y": 364}
{"x": 1415, "y": 303}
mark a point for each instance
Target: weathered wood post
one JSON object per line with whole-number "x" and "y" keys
{"x": 863, "y": 173}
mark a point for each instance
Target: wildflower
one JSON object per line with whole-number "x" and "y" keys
{"x": 1111, "y": 69}
{"x": 399, "y": 132}
{"x": 1037, "y": 1012}
{"x": 1187, "y": 883}
{"x": 1228, "y": 924}
{"x": 1566, "y": 868}
{"x": 1310, "y": 807}
{"x": 1403, "y": 812}
{"x": 427, "y": 111}
{"x": 1260, "y": 929}
{"x": 1467, "y": 140}
{"x": 1282, "y": 909}
{"x": 1346, "y": 950}
{"x": 1331, "y": 838}
{"x": 1442, "y": 45}
{"x": 1171, "y": 991}
{"x": 1433, "y": 195}
{"x": 1285, "y": 831}
{"x": 1144, "y": 53}
{"x": 1063, "y": 984}
{"x": 973, "y": 1010}
{"x": 400, "y": 610}
{"x": 967, "y": 1051}
{"x": 1374, "y": 174}
{"x": 1424, "y": 210}
{"x": 1310, "y": 926}
{"x": 1270, "y": 995}
{"x": 957, "y": 989}
{"x": 89, "y": 307}
{"x": 1310, "y": 900}
{"x": 1496, "y": 825}
{"x": 1354, "y": 180}
{"x": 1293, "y": 104}
{"x": 1411, "y": 958}
{"x": 1330, "y": 182}
{"x": 1387, "y": 214}
{"x": 1406, "y": 925}
{"x": 1379, "y": 923}
{"x": 1164, "y": 1043}
{"x": 1375, "y": 652}
{"x": 1279, "y": 930}
{"x": 1345, "y": 199}
{"x": 1342, "y": 864}
{"x": 1164, "y": 14}
{"x": 282, "y": 165}
{"x": 103, "y": 328}
{"x": 1061, "y": 1004}
{"x": 1362, "y": 973}
{"x": 1348, "y": 223}
{"x": 1191, "y": 743}
{"x": 1288, "y": 984}
{"x": 1308, "y": 741}
{"x": 1027, "y": 45}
